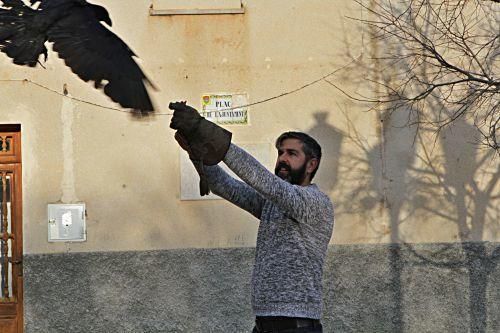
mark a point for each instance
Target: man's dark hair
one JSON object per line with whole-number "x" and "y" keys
{"x": 311, "y": 147}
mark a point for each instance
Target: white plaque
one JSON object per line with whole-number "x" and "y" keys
{"x": 224, "y": 108}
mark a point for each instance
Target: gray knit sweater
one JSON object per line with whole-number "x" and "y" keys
{"x": 296, "y": 224}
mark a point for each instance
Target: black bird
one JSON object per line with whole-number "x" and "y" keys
{"x": 87, "y": 46}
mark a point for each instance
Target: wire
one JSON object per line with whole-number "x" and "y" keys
{"x": 170, "y": 114}
{"x": 64, "y": 95}
{"x": 291, "y": 91}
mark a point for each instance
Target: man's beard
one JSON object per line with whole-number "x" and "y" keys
{"x": 293, "y": 176}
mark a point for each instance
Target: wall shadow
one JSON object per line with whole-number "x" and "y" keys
{"x": 330, "y": 138}
{"x": 412, "y": 180}
{"x": 469, "y": 181}
{"x": 389, "y": 163}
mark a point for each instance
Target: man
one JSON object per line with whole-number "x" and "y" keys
{"x": 296, "y": 218}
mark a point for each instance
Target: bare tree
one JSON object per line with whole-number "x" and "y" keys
{"x": 439, "y": 59}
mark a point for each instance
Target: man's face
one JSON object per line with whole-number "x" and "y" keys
{"x": 291, "y": 164}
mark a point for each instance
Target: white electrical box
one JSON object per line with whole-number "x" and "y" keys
{"x": 67, "y": 223}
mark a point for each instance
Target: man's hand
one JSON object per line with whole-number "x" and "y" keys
{"x": 186, "y": 119}
{"x": 205, "y": 142}
{"x": 181, "y": 140}
{"x": 195, "y": 152}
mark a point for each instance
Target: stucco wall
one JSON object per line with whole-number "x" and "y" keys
{"x": 126, "y": 169}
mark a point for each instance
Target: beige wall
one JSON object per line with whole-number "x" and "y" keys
{"x": 126, "y": 170}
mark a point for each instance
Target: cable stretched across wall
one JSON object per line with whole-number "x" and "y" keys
{"x": 322, "y": 78}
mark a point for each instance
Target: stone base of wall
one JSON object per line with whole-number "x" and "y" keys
{"x": 367, "y": 288}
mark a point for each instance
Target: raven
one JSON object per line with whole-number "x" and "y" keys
{"x": 87, "y": 46}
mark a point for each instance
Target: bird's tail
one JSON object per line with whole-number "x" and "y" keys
{"x": 17, "y": 40}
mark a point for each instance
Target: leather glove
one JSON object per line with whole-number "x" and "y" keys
{"x": 198, "y": 163}
{"x": 186, "y": 119}
{"x": 207, "y": 140}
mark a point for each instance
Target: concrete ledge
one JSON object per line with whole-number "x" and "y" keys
{"x": 367, "y": 288}
{"x": 165, "y": 12}
{"x": 196, "y": 7}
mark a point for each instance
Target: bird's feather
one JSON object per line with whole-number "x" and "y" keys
{"x": 88, "y": 47}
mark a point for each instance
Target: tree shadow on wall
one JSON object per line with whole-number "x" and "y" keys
{"x": 463, "y": 185}
{"x": 412, "y": 182}
{"x": 389, "y": 162}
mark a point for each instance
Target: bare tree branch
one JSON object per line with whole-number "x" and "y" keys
{"x": 438, "y": 59}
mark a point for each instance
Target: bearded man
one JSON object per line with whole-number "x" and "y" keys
{"x": 296, "y": 218}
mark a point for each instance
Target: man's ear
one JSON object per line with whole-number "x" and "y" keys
{"x": 312, "y": 164}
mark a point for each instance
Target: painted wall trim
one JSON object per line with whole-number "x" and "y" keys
{"x": 165, "y": 12}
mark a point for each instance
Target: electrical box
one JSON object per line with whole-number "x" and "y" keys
{"x": 67, "y": 223}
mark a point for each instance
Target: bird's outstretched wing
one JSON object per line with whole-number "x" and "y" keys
{"x": 96, "y": 54}
{"x": 87, "y": 46}
{"x": 17, "y": 40}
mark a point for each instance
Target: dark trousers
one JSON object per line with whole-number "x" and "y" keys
{"x": 286, "y": 325}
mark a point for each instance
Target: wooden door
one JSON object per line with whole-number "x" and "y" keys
{"x": 11, "y": 241}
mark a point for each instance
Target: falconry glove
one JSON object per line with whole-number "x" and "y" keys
{"x": 207, "y": 142}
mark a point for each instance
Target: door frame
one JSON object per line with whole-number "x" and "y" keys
{"x": 12, "y": 310}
